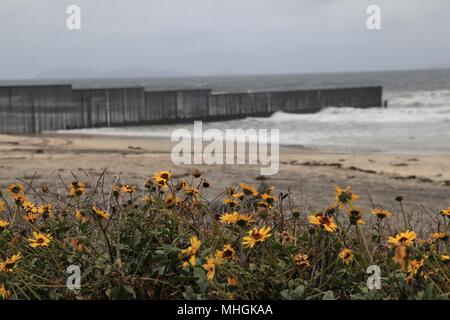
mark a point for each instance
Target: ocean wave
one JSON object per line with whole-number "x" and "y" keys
{"x": 434, "y": 98}
{"x": 370, "y": 115}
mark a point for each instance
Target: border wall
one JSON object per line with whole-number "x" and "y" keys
{"x": 34, "y": 109}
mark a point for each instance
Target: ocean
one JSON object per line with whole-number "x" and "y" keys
{"x": 417, "y": 120}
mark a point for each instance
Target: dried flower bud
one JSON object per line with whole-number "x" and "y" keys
{"x": 296, "y": 213}
{"x": 262, "y": 213}
{"x": 230, "y": 191}
{"x": 205, "y": 184}
{"x": 149, "y": 184}
{"x": 196, "y": 173}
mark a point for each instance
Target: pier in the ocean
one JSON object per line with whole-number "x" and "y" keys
{"x": 29, "y": 109}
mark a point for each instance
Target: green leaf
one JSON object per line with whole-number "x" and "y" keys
{"x": 108, "y": 269}
{"x": 329, "y": 295}
{"x": 299, "y": 291}
{"x": 427, "y": 294}
{"x": 137, "y": 238}
{"x": 203, "y": 285}
{"x": 130, "y": 290}
{"x": 189, "y": 293}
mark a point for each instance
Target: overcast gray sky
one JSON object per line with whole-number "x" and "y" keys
{"x": 222, "y": 36}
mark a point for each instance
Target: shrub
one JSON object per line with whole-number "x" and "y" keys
{"x": 168, "y": 242}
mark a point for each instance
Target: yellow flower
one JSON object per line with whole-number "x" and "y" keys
{"x": 229, "y": 218}
{"x": 381, "y": 213}
{"x": 188, "y": 255}
{"x": 29, "y": 207}
{"x": 45, "y": 210}
{"x": 192, "y": 249}
{"x": 226, "y": 254}
{"x": 346, "y": 255}
{"x": 355, "y": 215}
{"x": 161, "y": 183}
{"x": 166, "y": 175}
{"x": 16, "y": 188}
{"x": 77, "y": 189}
{"x": 191, "y": 261}
{"x": 81, "y": 216}
{"x": 10, "y": 264}
{"x": 236, "y": 218}
{"x": 231, "y": 202}
{"x": 31, "y": 217}
{"x": 239, "y": 195}
{"x": 444, "y": 258}
{"x": 3, "y": 225}
{"x": 161, "y": 178}
{"x": 440, "y": 236}
{"x": 191, "y": 191}
{"x": 345, "y": 196}
{"x": 171, "y": 201}
{"x": 210, "y": 267}
{"x": 40, "y": 240}
{"x": 268, "y": 198}
{"x": 232, "y": 282}
{"x": 195, "y": 244}
{"x": 325, "y": 222}
{"x": 301, "y": 260}
{"x": 100, "y": 213}
{"x": 19, "y": 199}
{"x": 256, "y": 236}
{"x": 4, "y": 294}
{"x": 248, "y": 190}
{"x": 128, "y": 189}
{"x": 244, "y": 219}
{"x": 404, "y": 238}
{"x": 414, "y": 266}
{"x": 263, "y": 204}
{"x": 446, "y": 212}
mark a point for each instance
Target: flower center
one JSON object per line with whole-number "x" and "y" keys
{"x": 227, "y": 253}
{"x": 324, "y": 220}
{"x": 257, "y": 236}
{"x": 345, "y": 197}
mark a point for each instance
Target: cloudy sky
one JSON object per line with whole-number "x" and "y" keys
{"x": 222, "y": 36}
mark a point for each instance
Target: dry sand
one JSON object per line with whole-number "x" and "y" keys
{"x": 311, "y": 175}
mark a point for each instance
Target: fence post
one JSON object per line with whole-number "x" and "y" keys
{"x": 108, "y": 119}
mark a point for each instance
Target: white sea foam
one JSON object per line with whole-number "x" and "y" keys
{"x": 434, "y": 98}
{"x": 371, "y": 115}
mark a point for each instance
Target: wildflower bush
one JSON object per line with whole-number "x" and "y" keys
{"x": 167, "y": 241}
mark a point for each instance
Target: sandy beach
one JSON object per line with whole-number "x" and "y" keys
{"x": 423, "y": 181}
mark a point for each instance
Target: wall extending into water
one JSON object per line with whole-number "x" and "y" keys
{"x": 33, "y": 109}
